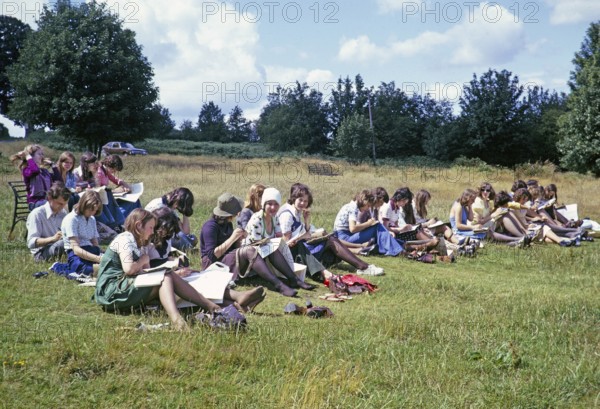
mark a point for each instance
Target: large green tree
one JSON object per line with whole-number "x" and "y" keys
{"x": 580, "y": 126}
{"x": 211, "y": 123}
{"x": 12, "y": 36}
{"x": 239, "y": 129}
{"x": 82, "y": 73}
{"x": 493, "y": 114}
{"x": 354, "y": 138}
{"x": 295, "y": 119}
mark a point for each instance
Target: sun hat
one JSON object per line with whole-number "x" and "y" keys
{"x": 228, "y": 205}
{"x": 270, "y": 193}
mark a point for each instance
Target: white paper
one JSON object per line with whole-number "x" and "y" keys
{"x": 436, "y": 224}
{"x": 149, "y": 279}
{"x": 137, "y": 189}
{"x": 270, "y": 247}
{"x": 169, "y": 264}
{"x": 102, "y": 192}
{"x": 210, "y": 283}
{"x": 569, "y": 211}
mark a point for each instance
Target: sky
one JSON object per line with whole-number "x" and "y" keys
{"x": 235, "y": 53}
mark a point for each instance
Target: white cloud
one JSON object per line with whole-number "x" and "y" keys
{"x": 573, "y": 11}
{"x": 487, "y": 36}
{"x": 492, "y": 37}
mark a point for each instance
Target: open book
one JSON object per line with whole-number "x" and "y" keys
{"x": 317, "y": 240}
{"x": 211, "y": 283}
{"x": 438, "y": 223}
{"x": 480, "y": 230}
{"x": 133, "y": 196}
{"x": 547, "y": 204}
{"x": 499, "y": 213}
{"x": 102, "y": 192}
{"x": 151, "y": 277}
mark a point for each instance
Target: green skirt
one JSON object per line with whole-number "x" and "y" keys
{"x": 115, "y": 290}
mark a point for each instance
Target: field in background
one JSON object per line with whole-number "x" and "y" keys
{"x": 510, "y": 328}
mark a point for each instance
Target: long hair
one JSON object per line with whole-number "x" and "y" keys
{"x": 466, "y": 196}
{"x": 87, "y": 159}
{"x": 183, "y": 200}
{"x": 421, "y": 199}
{"x": 62, "y": 159}
{"x": 254, "y": 196}
{"x": 22, "y": 159}
{"x": 167, "y": 226}
{"x": 138, "y": 215}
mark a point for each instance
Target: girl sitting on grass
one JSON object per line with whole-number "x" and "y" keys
{"x": 264, "y": 224}
{"x": 219, "y": 241}
{"x": 81, "y": 238}
{"x": 294, "y": 217}
{"x": 181, "y": 202}
{"x": 125, "y": 258}
{"x": 347, "y": 228}
{"x": 167, "y": 226}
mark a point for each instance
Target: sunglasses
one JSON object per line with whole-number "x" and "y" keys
{"x": 486, "y": 190}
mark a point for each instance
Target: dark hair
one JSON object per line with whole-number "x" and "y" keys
{"x": 402, "y": 193}
{"x": 551, "y": 188}
{"x": 421, "y": 199}
{"x": 298, "y": 190}
{"x": 520, "y": 193}
{"x": 57, "y": 190}
{"x": 89, "y": 199}
{"x": 483, "y": 185}
{"x": 502, "y": 199}
{"x": 167, "y": 226}
{"x": 87, "y": 159}
{"x": 364, "y": 198}
{"x": 183, "y": 200}
{"x": 532, "y": 182}
{"x": 518, "y": 184}
{"x": 381, "y": 194}
{"x": 113, "y": 162}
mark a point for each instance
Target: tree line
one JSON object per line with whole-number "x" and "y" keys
{"x": 83, "y": 74}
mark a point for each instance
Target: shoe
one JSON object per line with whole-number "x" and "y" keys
{"x": 565, "y": 243}
{"x": 365, "y": 251}
{"x": 371, "y": 270}
{"x": 61, "y": 269}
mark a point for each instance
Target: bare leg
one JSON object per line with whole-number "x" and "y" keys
{"x": 167, "y": 299}
{"x": 502, "y": 237}
{"x": 551, "y": 237}
{"x": 183, "y": 289}
{"x": 512, "y": 226}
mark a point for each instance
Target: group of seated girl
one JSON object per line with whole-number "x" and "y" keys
{"x": 39, "y": 173}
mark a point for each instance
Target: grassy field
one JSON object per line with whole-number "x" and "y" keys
{"x": 510, "y": 328}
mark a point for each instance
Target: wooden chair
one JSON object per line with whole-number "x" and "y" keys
{"x": 21, "y": 209}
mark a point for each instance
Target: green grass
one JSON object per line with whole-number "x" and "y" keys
{"x": 508, "y": 329}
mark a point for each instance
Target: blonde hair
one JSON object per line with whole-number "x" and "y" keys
{"x": 22, "y": 159}
{"x": 254, "y": 196}
{"x": 89, "y": 200}
{"x": 138, "y": 215}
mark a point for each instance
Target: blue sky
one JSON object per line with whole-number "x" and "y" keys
{"x": 236, "y": 52}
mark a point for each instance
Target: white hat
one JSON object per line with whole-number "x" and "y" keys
{"x": 270, "y": 193}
